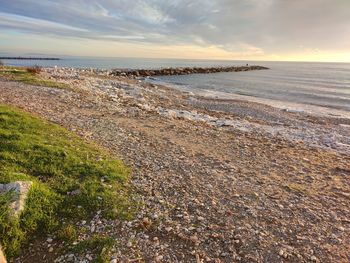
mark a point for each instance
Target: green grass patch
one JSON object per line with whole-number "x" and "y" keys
{"x": 72, "y": 180}
{"x": 22, "y": 75}
{"x": 98, "y": 245}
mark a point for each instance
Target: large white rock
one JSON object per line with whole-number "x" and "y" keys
{"x": 2, "y": 257}
{"x": 21, "y": 189}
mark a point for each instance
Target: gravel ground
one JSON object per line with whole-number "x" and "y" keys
{"x": 216, "y": 181}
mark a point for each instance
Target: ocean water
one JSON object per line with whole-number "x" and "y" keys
{"x": 325, "y": 85}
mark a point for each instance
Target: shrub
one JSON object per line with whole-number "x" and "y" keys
{"x": 34, "y": 69}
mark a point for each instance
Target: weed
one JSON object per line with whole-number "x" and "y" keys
{"x": 34, "y": 69}
{"x": 99, "y": 245}
{"x": 29, "y": 76}
{"x": 68, "y": 233}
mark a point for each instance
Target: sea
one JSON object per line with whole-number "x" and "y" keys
{"x": 299, "y": 86}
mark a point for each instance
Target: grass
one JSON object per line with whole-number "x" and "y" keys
{"x": 29, "y": 76}
{"x": 99, "y": 245}
{"x": 58, "y": 163}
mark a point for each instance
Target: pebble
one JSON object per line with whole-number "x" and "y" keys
{"x": 159, "y": 258}
{"x": 168, "y": 229}
{"x": 194, "y": 239}
{"x": 314, "y": 259}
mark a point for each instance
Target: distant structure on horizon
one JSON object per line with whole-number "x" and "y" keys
{"x": 30, "y": 58}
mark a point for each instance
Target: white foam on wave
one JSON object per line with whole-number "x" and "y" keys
{"x": 288, "y": 106}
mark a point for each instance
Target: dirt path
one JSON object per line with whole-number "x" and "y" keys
{"x": 210, "y": 194}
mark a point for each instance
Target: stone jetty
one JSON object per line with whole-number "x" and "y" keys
{"x": 181, "y": 71}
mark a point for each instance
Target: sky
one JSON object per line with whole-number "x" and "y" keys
{"x": 290, "y": 30}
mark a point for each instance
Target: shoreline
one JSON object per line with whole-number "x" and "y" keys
{"x": 319, "y": 127}
{"x": 247, "y": 115}
{"x": 315, "y": 110}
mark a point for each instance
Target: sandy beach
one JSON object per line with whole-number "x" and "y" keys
{"x": 218, "y": 180}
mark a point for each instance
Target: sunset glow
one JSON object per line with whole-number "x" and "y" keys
{"x": 317, "y": 30}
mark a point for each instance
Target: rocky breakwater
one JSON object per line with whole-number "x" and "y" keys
{"x": 181, "y": 71}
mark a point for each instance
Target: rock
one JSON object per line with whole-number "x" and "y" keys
{"x": 181, "y": 71}
{"x": 20, "y": 189}
{"x": 159, "y": 258}
{"x": 168, "y": 229}
{"x": 314, "y": 259}
{"x": 51, "y": 249}
{"x": 75, "y": 192}
{"x": 2, "y": 256}
{"x": 194, "y": 239}
{"x": 283, "y": 253}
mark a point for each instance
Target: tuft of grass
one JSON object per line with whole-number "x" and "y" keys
{"x": 29, "y": 76}
{"x": 71, "y": 179}
{"x": 99, "y": 245}
{"x": 34, "y": 69}
{"x": 68, "y": 233}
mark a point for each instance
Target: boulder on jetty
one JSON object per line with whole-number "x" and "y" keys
{"x": 181, "y": 71}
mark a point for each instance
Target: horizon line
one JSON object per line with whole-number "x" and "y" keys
{"x": 61, "y": 57}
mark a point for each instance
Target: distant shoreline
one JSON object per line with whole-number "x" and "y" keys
{"x": 29, "y": 58}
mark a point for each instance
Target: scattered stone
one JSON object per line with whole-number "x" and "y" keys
{"x": 20, "y": 190}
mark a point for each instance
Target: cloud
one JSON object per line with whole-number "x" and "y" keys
{"x": 250, "y": 27}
